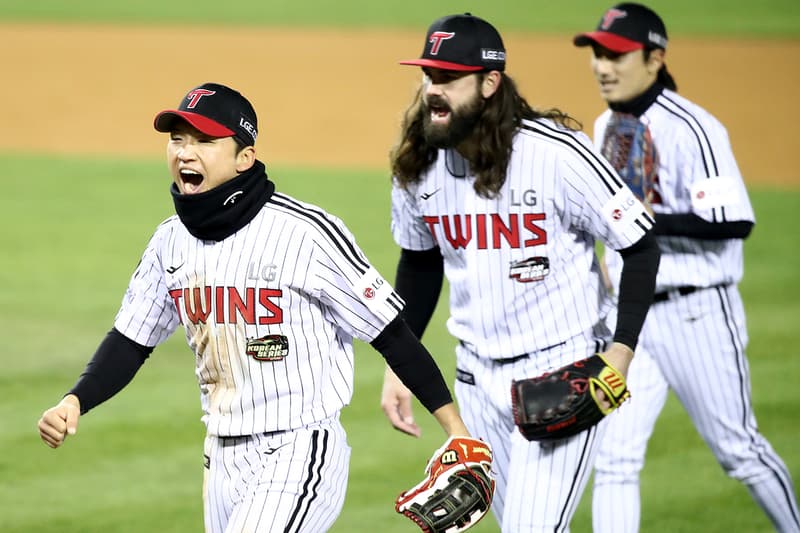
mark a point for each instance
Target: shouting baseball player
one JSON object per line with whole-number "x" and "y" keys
{"x": 507, "y": 202}
{"x": 270, "y": 292}
{"x": 678, "y": 159}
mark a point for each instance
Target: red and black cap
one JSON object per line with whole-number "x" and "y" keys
{"x": 626, "y": 27}
{"x": 464, "y": 43}
{"x": 216, "y": 110}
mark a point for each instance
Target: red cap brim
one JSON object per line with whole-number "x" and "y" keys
{"x": 165, "y": 120}
{"x": 444, "y": 65}
{"x": 612, "y": 41}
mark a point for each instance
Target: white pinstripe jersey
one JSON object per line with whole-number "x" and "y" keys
{"x": 522, "y": 270}
{"x": 270, "y": 313}
{"x": 698, "y": 174}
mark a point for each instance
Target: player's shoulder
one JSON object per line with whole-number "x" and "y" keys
{"x": 305, "y": 217}
{"x": 550, "y": 132}
{"x": 167, "y": 227}
{"x": 683, "y": 112}
{"x": 602, "y": 119}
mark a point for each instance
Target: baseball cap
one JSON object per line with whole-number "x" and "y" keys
{"x": 216, "y": 110}
{"x": 462, "y": 42}
{"x": 626, "y": 27}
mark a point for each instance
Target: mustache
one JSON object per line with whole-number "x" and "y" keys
{"x": 437, "y": 102}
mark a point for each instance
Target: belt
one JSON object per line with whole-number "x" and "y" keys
{"x": 684, "y": 290}
{"x": 507, "y": 360}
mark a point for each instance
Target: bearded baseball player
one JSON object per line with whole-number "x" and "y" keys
{"x": 507, "y": 202}
{"x": 270, "y": 292}
{"x": 678, "y": 159}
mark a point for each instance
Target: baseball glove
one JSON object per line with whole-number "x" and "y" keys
{"x": 628, "y": 146}
{"x": 457, "y": 491}
{"x": 564, "y": 402}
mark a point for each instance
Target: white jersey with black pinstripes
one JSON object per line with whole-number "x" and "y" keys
{"x": 697, "y": 173}
{"x": 522, "y": 268}
{"x": 270, "y": 313}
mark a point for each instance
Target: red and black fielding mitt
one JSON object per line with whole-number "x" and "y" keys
{"x": 457, "y": 491}
{"x": 562, "y": 403}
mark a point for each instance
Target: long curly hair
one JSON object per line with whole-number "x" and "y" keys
{"x": 500, "y": 119}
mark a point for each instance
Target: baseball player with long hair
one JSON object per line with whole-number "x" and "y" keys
{"x": 693, "y": 341}
{"x": 507, "y": 202}
{"x": 270, "y": 292}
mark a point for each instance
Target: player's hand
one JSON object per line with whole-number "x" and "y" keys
{"x": 619, "y": 356}
{"x": 396, "y": 404}
{"x": 59, "y": 421}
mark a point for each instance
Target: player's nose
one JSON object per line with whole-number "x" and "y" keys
{"x": 602, "y": 65}
{"x": 186, "y": 152}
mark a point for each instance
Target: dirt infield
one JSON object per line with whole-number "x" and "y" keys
{"x": 334, "y": 98}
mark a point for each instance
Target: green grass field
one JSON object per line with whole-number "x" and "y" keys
{"x": 710, "y": 17}
{"x": 73, "y": 231}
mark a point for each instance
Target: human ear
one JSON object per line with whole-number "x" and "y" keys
{"x": 245, "y": 158}
{"x": 655, "y": 60}
{"x": 491, "y": 81}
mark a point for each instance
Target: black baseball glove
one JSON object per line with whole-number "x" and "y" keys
{"x": 457, "y": 491}
{"x": 564, "y": 402}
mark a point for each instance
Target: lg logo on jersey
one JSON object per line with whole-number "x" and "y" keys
{"x": 265, "y": 272}
{"x": 626, "y": 205}
{"x": 528, "y": 197}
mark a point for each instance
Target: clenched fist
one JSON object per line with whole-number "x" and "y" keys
{"x": 59, "y": 421}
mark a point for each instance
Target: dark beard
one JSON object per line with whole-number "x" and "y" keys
{"x": 462, "y": 122}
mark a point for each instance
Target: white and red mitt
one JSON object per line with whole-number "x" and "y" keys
{"x": 457, "y": 491}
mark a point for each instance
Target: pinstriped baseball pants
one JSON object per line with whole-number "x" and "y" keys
{"x": 288, "y": 482}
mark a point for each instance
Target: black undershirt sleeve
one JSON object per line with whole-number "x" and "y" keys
{"x": 419, "y": 283}
{"x": 636, "y": 287}
{"x": 413, "y": 364}
{"x": 691, "y": 225}
{"x": 113, "y": 366}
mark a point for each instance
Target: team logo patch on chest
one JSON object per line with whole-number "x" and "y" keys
{"x": 269, "y": 348}
{"x": 530, "y": 269}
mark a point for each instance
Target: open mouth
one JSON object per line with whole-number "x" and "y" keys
{"x": 439, "y": 114}
{"x": 191, "y": 181}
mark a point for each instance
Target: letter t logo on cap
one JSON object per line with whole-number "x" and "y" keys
{"x": 196, "y": 95}
{"x": 612, "y": 15}
{"x": 437, "y": 37}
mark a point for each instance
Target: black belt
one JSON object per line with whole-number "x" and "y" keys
{"x": 682, "y": 291}
{"x": 512, "y": 359}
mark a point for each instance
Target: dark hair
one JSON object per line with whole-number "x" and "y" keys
{"x": 240, "y": 144}
{"x": 664, "y": 77}
{"x": 500, "y": 119}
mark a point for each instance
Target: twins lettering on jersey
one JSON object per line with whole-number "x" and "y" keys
{"x": 490, "y": 230}
{"x": 228, "y": 305}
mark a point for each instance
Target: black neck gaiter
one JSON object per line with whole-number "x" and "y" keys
{"x": 216, "y": 214}
{"x": 641, "y": 103}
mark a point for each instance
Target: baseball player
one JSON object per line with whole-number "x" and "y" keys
{"x": 270, "y": 292}
{"x": 507, "y": 202}
{"x": 694, "y": 338}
